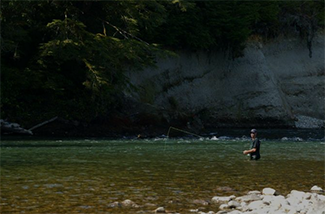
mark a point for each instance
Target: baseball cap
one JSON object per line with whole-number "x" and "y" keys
{"x": 253, "y": 131}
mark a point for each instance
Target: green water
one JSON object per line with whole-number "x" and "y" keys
{"x": 87, "y": 176}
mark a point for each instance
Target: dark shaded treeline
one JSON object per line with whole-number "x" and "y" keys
{"x": 68, "y": 58}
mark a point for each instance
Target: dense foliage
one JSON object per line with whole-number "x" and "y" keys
{"x": 68, "y": 58}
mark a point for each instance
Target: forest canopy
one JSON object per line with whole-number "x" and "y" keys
{"x": 68, "y": 58}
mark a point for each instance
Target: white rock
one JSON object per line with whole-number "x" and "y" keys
{"x": 278, "y": 212}
{"x": 321, "y": 197}
{"x": 318, "y": 201}
{"x": 129, "y": 203}
{"x": 278, "y": 202}
{"x": 222, "y": 200}
{"x": 244, "y": 206}
{"x": 223, "y": 207}
{"x": 256, "y": 205}
{"x": 296, "y": 197}
{"x": 308, "y": 196}
{"x": 292, "y": 211}
{"x": 267, "y": 199}
{"x": 293, "y": 201}
{"x": 305, "y": 205}
{"x": 233, "y": 204}
{"x": 268, "y": 191}
{"x": 317, "y": 189}
{"x": 317, "y": 210}
{"x": 248, "y": 198}
{"x": 254, "y": 192}
{"x": 235, "y": 212}
{"x": 287, "y": 208}
{"x": 222, "y": 212}
{"x": 160, "y": 210}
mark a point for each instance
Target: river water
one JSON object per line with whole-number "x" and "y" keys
{"x": 89, "y": 175}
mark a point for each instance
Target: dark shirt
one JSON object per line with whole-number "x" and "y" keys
{"x": 255, "y": 144}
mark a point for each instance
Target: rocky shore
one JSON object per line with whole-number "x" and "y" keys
{"x": 267, "y": 201}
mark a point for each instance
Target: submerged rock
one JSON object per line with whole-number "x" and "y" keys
{"x": 202, "y": 202}
{"x": 125, "y": 203}
{"x": 129, "y": 203}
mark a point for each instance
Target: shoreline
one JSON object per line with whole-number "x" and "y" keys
{"x": 147, "y": 127}
{"x": 294, "y": 134}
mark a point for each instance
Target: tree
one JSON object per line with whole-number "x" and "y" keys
{"x": 72, "y": 63}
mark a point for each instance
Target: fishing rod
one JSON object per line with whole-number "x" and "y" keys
{"x": 190, "y": 133}
{"x": 171, "y": 127}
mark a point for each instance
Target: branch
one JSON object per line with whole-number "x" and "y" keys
{"x": 124, "y": 33}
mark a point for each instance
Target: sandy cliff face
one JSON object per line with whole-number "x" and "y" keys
{"x": 274, "y": 81}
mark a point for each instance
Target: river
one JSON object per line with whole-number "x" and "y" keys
{"x": 90, "y": 175}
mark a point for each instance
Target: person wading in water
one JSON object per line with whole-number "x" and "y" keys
{"x": 254, "y": 150}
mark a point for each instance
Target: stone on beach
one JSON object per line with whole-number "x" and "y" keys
{"x": 268, "y": 191}
{"x": 316, "y": 189}
{"x": 234, "y": 204}
{"x": 248, "y": 198}
{"x": 160, "y": 210}
{"x": 221, "y": 200}
{"x": 268, "y": 202}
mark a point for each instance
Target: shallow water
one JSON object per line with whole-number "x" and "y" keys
{"x": 87, "y": 176}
